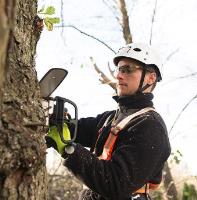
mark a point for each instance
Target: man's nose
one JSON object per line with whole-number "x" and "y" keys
{"x": 119, "y": 75}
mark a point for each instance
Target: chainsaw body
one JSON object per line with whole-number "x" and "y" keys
{"x": 60, "y": 115}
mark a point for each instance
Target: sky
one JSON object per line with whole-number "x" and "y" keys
{"x": 173, "y": 35}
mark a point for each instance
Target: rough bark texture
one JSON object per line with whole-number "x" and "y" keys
{"x": 22, "y": 148}
{"x": 6, "y": 19}
{"x": 170, "y": 188}
{"x": 124, "y": 22}
{"x": 64, "y": 187}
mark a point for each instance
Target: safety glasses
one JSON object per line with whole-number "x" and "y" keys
{"x": 126, "y": 69}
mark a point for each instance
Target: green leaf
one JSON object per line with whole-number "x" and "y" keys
{"x": 48, "y": 24}
{"x": 50, "y": 10}
{"x": 54, "y": 20}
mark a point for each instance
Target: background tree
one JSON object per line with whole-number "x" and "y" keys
{"x": 22, "y": 149}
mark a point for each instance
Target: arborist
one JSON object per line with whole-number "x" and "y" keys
{"x": 128, "y": 146}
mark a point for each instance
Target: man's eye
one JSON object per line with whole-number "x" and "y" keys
{"x": 127, "y": 71}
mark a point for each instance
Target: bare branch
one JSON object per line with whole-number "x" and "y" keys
{"x": 153, "y": 20}
{"x": 187, "y": 76}
{"x": 181, "y": 77}
{"x": 112, "y": 8}
{"x": 105, "y": 79}
{"x": 179, "y": 115}
{"x": 111, "y": 71}
{"x": 130, "y": 7}
{"x": 56, "y": 170}
{"x": 188, "y": 177}
{"x": 125, "y": 22}
{"x": 82, "y": 32}
{"x": 62, "y": 21}
{"x": 172, "y": 54}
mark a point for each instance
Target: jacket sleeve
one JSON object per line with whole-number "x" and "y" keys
{"x": 137, "y": 155}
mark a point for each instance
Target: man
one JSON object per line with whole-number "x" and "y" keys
{"x": 129, "y": 146}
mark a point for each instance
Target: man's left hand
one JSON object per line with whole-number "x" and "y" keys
{"x": 53, "y": 138}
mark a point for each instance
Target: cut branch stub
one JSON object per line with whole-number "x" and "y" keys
{"x": 104, "y": 79}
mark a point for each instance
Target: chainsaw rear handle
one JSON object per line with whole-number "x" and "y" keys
{"x": 59, "y": 118}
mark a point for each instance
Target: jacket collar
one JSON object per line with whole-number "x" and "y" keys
{"x": 137, "y": 101}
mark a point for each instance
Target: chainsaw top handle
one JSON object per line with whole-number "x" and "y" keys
{"x": 59, "y": 119}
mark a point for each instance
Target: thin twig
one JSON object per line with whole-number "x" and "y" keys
{"x": 60, "y": 163}
{"x": 153, "y": 20}
{"x": 84, "y": 33}
{"x": 179, "y": 115}
{"x": 185, "y": 133}
{"x": 105, "y": 79}
{"x": 172, "y": 54}
{"x": 62, "y": 19}
{"x": 112, "y": 8}
{"x": 180, "y": 77}
{"x": 111, "y": 71}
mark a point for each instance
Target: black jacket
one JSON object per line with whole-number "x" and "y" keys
{"x": 138, "y": 156}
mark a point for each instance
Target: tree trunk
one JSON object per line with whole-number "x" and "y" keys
{"x": 169, "y": 185}
{"x": 22, "y": 164}
{"x": 4, "y": 33}
{"x": 124, "y": 22}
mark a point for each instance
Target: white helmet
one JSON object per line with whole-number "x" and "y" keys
{"x": 142, "y": 53}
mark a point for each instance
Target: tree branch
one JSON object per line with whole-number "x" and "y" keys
{"x": 112, "y": 8}
{"x": 62, "y": 22}
{"x": 125, "y": 22}
{"x": 105, "y": 79}
{"x": 153, "y": 20}
{"x": 172, "y": 54}
{"x": 181, "y": 77}
{"x": 111, "y": 71}
{"x": 179, "y": 115}
{"x": 84, "y": 33}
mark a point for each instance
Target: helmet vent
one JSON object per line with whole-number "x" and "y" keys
{"x": 137, "y": 49}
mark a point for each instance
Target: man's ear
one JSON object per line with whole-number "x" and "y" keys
{"x": 151, "y": 78}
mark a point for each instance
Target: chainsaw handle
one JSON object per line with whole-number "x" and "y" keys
{"x": 75, "y": 120}
{"x": 59, "y": 118}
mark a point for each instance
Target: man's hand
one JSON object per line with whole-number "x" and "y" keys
{"x": 53, "y": 138}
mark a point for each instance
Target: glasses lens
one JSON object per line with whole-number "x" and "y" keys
{"x": 125, "y": 69}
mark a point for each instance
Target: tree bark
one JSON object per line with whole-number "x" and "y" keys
{"x": 169, "y": 185}
{"x": 124, "y": 22}
{"x": 22, "y": 164}
{"x": 5, "y": 25}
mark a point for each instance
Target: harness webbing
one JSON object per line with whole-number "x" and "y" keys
{"x": 110, "y": 142}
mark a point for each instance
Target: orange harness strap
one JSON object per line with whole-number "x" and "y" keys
{"x": 146, "y": 188}
{"x": 110, "y": 142}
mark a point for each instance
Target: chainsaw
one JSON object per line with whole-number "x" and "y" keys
{"x": 48, "y": 84}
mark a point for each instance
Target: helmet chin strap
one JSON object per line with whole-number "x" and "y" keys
{"x": 140, "y": 88}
